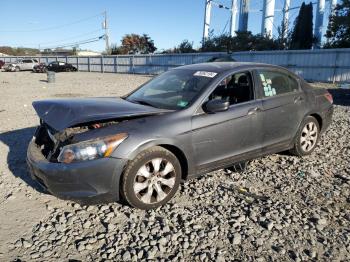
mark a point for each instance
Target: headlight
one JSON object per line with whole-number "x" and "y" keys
{"x": 91, "y": 149}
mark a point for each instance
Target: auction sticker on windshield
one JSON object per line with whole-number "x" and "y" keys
{"x": 205, "y": 73}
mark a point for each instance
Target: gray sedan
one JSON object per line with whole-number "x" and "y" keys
{"x": 185, "y": 122}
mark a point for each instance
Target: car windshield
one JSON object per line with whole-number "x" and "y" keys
{"x": 174, "y": 90}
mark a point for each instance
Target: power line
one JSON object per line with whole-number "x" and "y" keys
{"x": 73, "y": 37}
{"x": 86, "y": 41}
{"x": 52, "y": 27}
{"x": 61, "y": 40}
{"x": 223, "y": 30}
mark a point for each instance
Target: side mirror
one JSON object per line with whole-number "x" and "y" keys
{"x": 216, "y": 105}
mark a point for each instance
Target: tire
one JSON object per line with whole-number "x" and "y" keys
{"x": 307, "y": 137}
{"x": 67, "y": 70}
{"x": 143, "y": 187}
{"x": 17, "y": 69}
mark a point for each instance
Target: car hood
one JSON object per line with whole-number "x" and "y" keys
{"x": 63, "y": 113}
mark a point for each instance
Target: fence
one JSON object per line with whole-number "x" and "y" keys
{"x": 326, "y": 65}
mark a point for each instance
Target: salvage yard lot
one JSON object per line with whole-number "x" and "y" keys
{"x": 295, "y": 209}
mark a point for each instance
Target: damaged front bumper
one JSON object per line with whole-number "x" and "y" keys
{"x": 93, "y": 181}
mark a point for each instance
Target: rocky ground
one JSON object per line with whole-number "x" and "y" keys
{"x": 282, "y": 208}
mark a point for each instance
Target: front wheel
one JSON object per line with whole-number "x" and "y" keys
{"x": 307, "y": 137}
{"x": 151, "y": 179}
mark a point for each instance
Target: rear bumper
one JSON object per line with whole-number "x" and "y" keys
{"x": 93, "y": 181}
{"x": 327, "y": 118}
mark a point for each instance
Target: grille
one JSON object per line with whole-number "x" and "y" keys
{"x": 44, "y": 141}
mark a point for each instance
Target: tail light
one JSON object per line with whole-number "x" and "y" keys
{"x": 329, "y": 97}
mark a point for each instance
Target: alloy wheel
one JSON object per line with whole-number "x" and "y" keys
{"x": 154, "y": 181}
{"x": 309, "y": 136}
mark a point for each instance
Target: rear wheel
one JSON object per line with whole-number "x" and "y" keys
{"x": 151, "y": 179}
{"x": 307, "y": 137}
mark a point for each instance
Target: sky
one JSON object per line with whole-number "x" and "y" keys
{"x": 48, "y": 24}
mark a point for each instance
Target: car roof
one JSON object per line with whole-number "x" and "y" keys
{"x": 219, "y": 67}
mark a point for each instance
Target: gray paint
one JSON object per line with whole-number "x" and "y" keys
{"x": 208, "y": 141}
{"x": 63, "y": 113}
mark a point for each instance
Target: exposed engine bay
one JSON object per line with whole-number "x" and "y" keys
{"x": 51, "y": 141}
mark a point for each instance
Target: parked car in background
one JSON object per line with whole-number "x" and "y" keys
{"x": 58, "y": 66}
{"x": 188, "y": 121}
{"x": 40, "y": 68}
{"x": 1, "y": 63}
{"x": 21, "y": 65}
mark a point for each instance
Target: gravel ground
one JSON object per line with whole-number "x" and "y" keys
{"x": 282, "y": 208}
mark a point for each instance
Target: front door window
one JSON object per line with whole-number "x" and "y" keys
{"x": 236, "y": 88}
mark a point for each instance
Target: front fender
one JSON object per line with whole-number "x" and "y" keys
{"x": 129, "y": 150}
{"x": 182, "y": 143}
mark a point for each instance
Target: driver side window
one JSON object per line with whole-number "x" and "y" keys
{"x": 237, "y": 88}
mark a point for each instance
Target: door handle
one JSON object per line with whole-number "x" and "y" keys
{"x": 253, "y": 111}
{"x": 298, "y": 99}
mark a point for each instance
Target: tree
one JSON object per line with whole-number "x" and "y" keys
{"x": 302, "y": 36}
{"x": 135, "y": 44}
{"x": 118, "y": 50}
{"x": 147, "y": 44}
{"x": 338, "y": 31}
{"x": 184, "y": 47}
{"x": 284, "y": 36}
{"x": 243, "y": 41}
{"x": 19, "y": 51}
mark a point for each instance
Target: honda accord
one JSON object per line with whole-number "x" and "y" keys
{"x": 185, "y": 122}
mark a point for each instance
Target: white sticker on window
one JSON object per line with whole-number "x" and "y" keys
{"x": 268, "y": 91}
{"x": 205, "y": 74}
{"x": 262, "y": 77}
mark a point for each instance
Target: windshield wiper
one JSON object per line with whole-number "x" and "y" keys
{"x": 142, "y": 102}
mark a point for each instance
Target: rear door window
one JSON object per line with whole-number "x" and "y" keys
{"x": 276, "y": 83}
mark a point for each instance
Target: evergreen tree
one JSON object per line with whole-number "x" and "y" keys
{"x": 338, "y": 31}
{"x": 302, "y": 36}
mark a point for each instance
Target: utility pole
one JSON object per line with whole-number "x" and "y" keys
{"x": 285, "y": 23}
{"x": 106, "y": 36}
{"x": 319, "y": 23}
{"x": 206, "y": 20}
{"x": 267, "y": 18}
{"x": 234, "y": 11}
{"x": 243, "y": 16}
